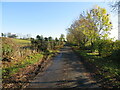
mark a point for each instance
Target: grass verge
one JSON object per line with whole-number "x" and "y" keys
{"x": 12, "y": 69}
{"x": 108, "y": 68}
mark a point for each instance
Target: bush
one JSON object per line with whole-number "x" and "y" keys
{"x": 6, "y": 50}
{"x": 104, "y": 47}
{"x": 107, "y": 48}
{"x": 116, "y": 55}
{"x": 116, "y": 45}
{"x": 116, "y": 51}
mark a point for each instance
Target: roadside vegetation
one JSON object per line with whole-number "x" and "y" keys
{"x": 18, "y": 54}
{"x": 89, "y": 37}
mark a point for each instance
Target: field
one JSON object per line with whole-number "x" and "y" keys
{"x": 21, "y": 41}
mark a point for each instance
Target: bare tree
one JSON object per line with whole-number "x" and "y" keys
{"x": 116, "y": 6}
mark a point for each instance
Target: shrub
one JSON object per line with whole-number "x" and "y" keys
{"x": 107, "y": 48}
{"x": 116, "y": 51}
{"x": 116, "y": 45}
{"x": 6, "y": 50}
{"x": 116, "y": 55}
{"x": 104, "y": 47}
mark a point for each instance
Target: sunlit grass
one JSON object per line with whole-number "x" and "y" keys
{"x": 32, "y": 59}
{"x": 104, "y": 63}
{"x": 29, "y": 60}
{"x": 21, "y": 41}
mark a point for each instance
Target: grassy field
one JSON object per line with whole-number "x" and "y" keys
{"x": 21, "y": 41}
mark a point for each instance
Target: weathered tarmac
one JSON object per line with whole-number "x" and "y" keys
{"x": 65, "y": 71}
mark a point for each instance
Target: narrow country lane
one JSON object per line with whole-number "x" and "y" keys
{"x": 66, "y": 71}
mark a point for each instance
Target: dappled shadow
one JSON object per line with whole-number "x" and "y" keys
{"x": 26, "y": 47}
{"x": 67, "y": 71}
{"x": 98, "y": 73}
{"x": 64, "y": 83}
{"x": 76, "y": 64}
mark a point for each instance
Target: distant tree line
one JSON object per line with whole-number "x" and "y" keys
{"x": 47, "y": 43}
{"x": 10, "y": 35}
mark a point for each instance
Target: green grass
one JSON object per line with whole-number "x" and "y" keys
{"x": 29, "y": 60}
{"x": 32, "y": 59}
{"x": 17, "y": 62}
{"x": 23, "y": 42}
{"x": 104, "y": 63}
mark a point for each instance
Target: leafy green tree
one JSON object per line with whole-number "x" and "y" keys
{"x": 91, "y": 27}
{"x": 46, "y": 39}
{"x": 45, "y": 43}
{"x": 102, "y": 21}
{"x": 50, "y": 38}
{"x": 62, "y": 37}
{"x": 56, "y": 39}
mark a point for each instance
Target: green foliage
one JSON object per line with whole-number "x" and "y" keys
{"x": 89, "y": 28}
{"x": 116, "y": 45}
{"x": 107, "y": 47}
{"x": 90, "y": 35}
{"x": 108, "y": 66}
{"x": 45, "y": 44}
{"x": 20, "y": 41}
{"x": 19, "y": 55}
{"x": 116, "y": 55}
{"x": 12, "y": 69}
{"x": 6, "y": 50}
{"x": 12, "y": 47}
{"x": 104, "y": 47}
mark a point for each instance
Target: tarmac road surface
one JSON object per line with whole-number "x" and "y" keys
{"x": 65, "y": 71}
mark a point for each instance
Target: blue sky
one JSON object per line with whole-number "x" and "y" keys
{"x": 45, "y": 18}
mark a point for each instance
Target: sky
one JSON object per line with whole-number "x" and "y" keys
{"x": 47, "y": 18}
